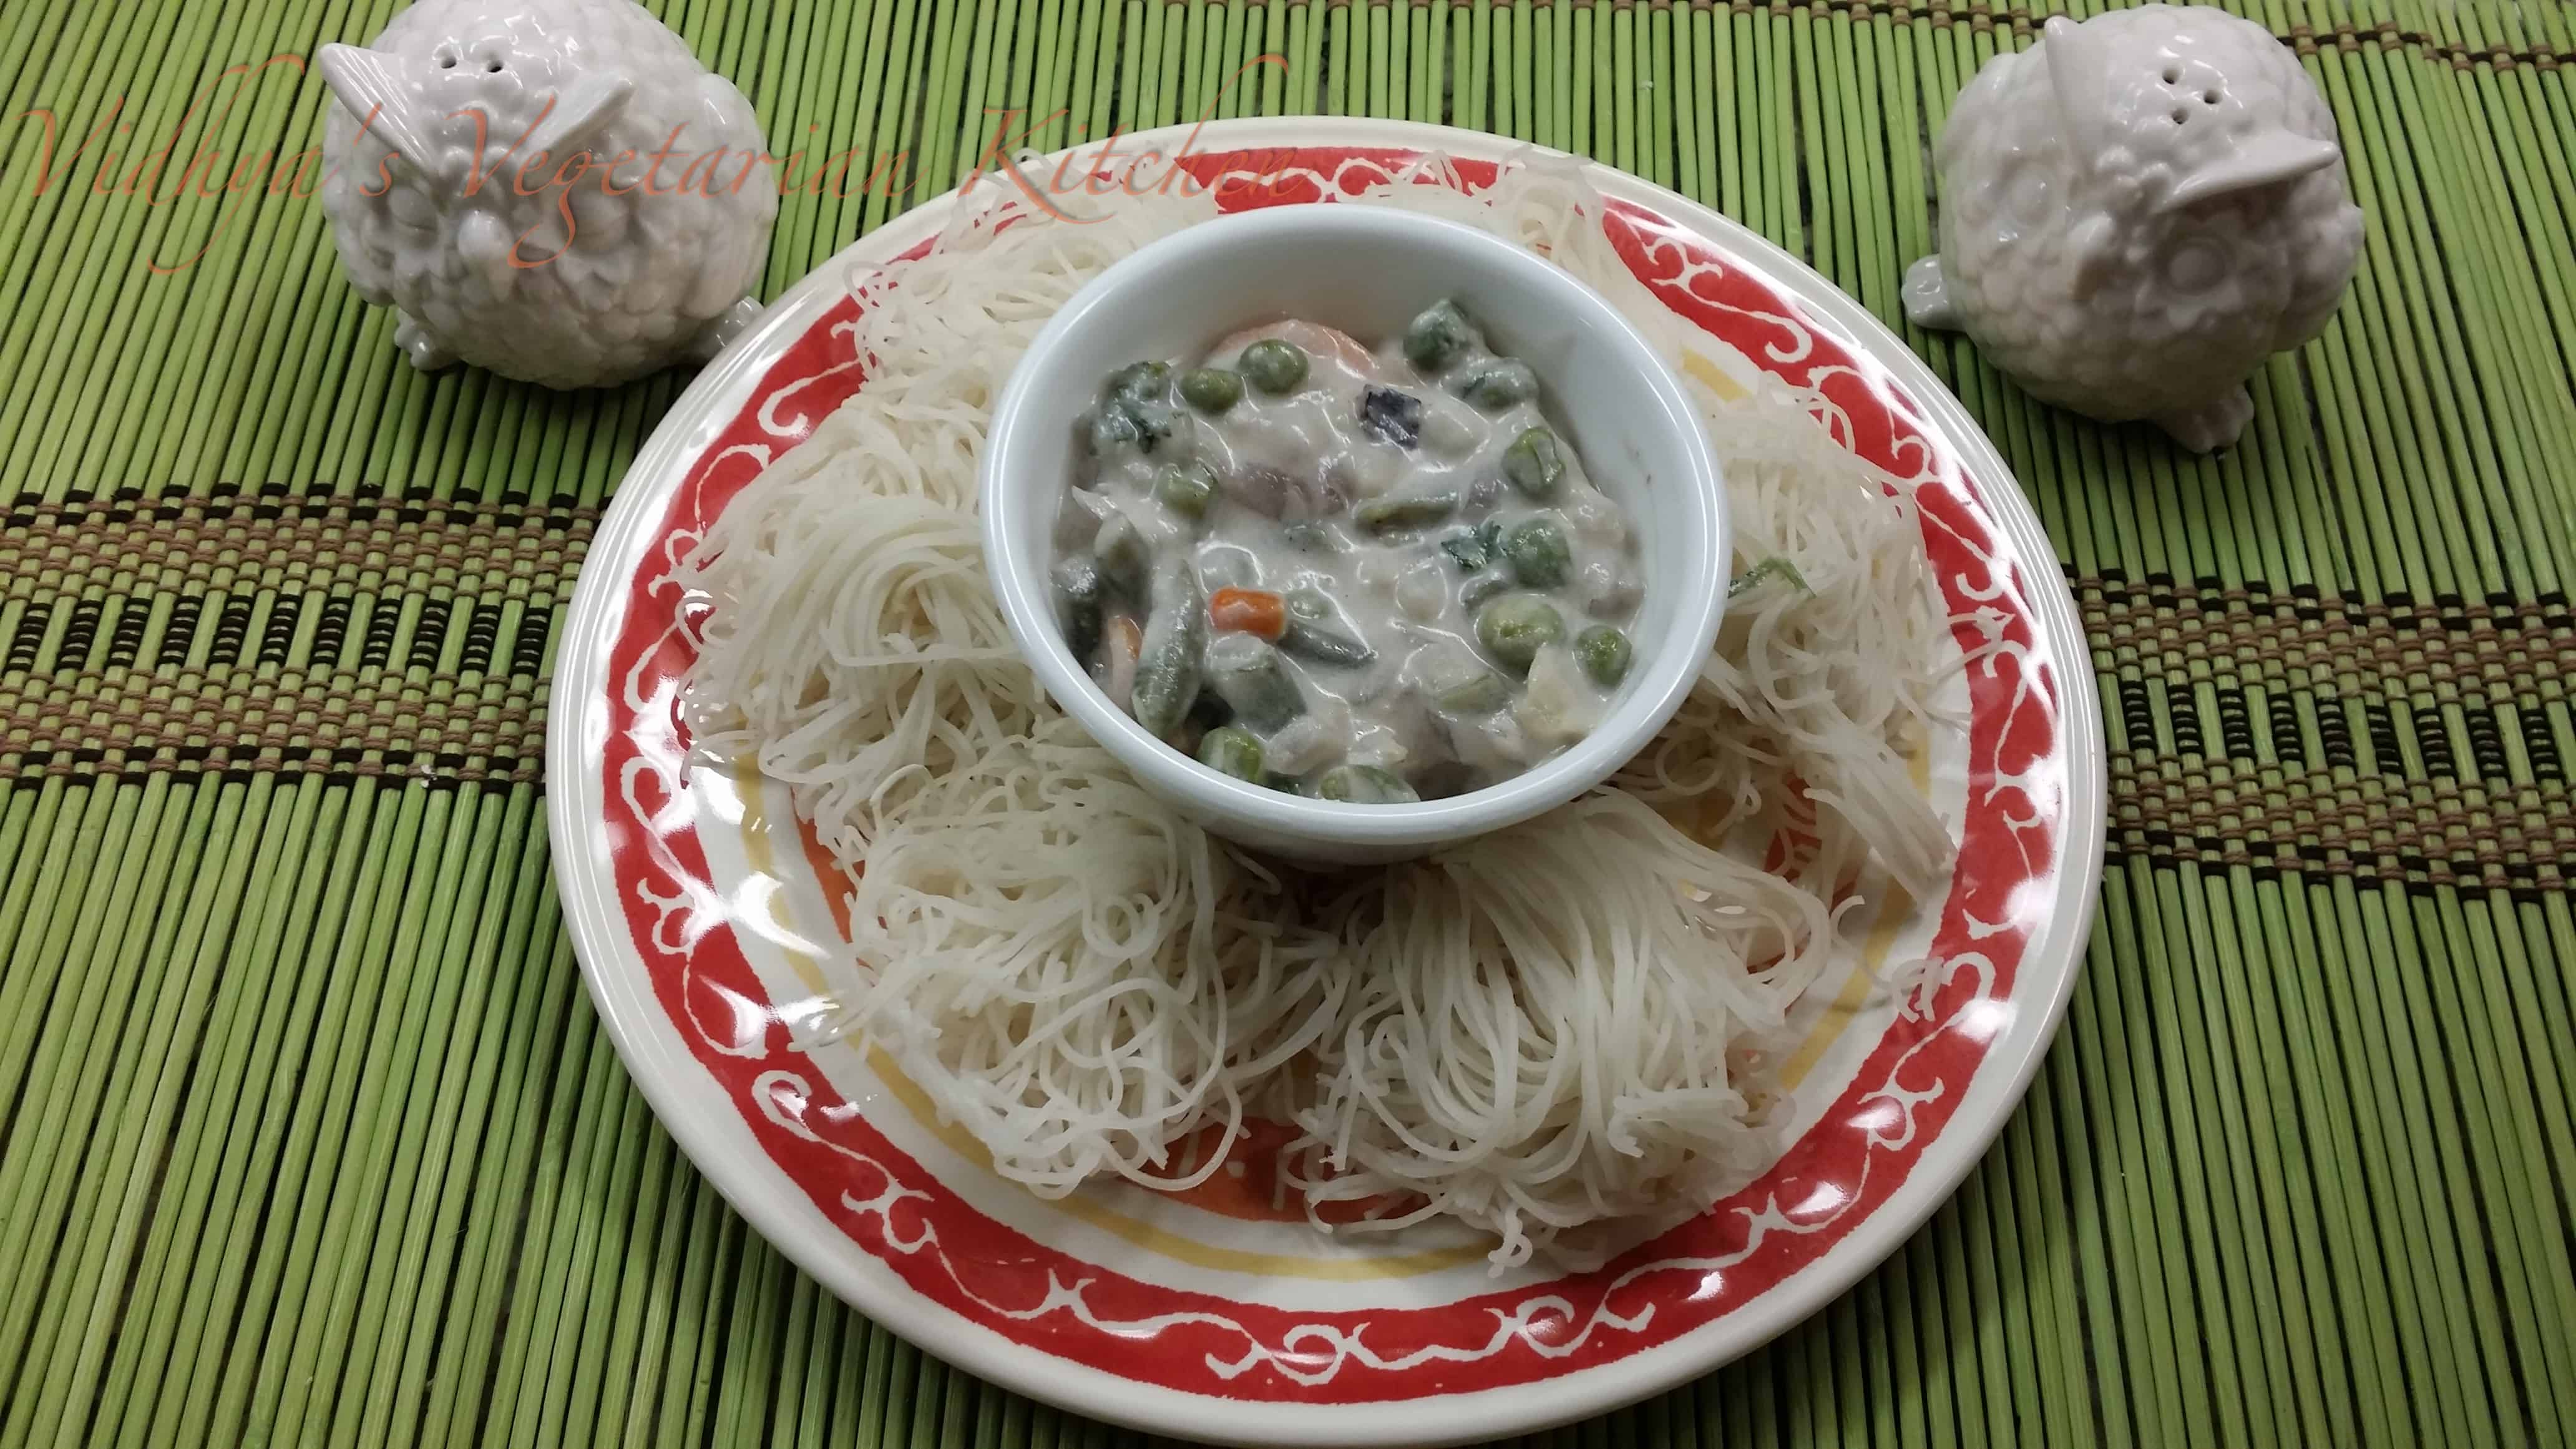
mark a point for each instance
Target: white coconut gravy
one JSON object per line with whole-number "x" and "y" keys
{"x": 1366, "y": 576}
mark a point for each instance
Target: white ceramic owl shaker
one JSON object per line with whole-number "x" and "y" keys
{"x": 2136, "y": 212}
{"x": 464, "y": 202}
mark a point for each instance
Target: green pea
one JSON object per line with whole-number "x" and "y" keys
{"x": 1515, "y": 627}
{"x": 1364, "y": 785}
{"x": 1498, "y": 383}
{"x": 1384, "y": 515}
{"x": 1186, "y": 488}
{"x": 1232, "y": 751}
{"x": 1538, "y": 553}
{"x": 1272, "y": 365}
{"x": 1604, "y": 653}
{"x": 1435, "y": 338}
{"x": 1533, "y": 464}
{"x": 1211, "y": 389}
{"x": 1481, "y": 695}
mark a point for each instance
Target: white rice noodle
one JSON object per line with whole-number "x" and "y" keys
{"x": 1537, "y": 1033}
{"x": 1071, "y": 969}
{"x": 1548, "y": 1027}
{"x": 1820, "y": 683}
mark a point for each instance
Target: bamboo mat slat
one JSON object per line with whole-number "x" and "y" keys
{"x": 308, "y": 1134}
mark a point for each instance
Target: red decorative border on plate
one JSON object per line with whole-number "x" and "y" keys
{"x": 1825, "y": 1185}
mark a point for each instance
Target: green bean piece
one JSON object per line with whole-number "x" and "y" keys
{"x": 1385, "y": 515}
{"x": 1315, "y": 632}
{"x": 1479, "y": 589}
{"x": 1124, "y": 555}
{"x": 1325, "y": 646}
{"x": 1604, "y": 653}
{"x": 1210, "y": 710}
{"x": 1231, "y": 751}
{"x": 1497, "y": 383}
{"x": 1169, "y": 667}
{"x": 1434, "y": 339}
{"x": 1534, "y": 464}
{"x": 1186, "y": 488}
{"x": 1249, "y": 675}
{"x": 1080, "y": 592}
{"x": 1211, "y": 389}
{"x": 1364, "y": 785}
{"x": 1515, "y": 627}
{"x": 1769, "y": 568}
{"x": 1481, "y": 695}
{"x": 1273, "y": 366}
{"x": 1538, "y": 553}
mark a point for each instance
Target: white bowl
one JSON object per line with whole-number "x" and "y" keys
{"x": 1367, "y": 270}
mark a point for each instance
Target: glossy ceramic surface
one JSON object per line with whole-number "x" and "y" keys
{"x": 695, "y": 904}
{"x": 558, "y": 192}
{"x": 1366, "y": 270}
{"x": 2136, "y": 212}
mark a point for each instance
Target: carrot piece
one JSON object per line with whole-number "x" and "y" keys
{"x": 1249, "y": 611}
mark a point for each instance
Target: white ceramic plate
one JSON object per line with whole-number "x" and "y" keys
{"x": 693, "y": 897}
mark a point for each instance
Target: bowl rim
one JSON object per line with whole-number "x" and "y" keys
{"x": 1670, "y": 666}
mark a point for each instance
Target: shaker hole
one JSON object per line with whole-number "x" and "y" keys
{"x": 2173, "y": 75}
{"x": 2209, "y": 98}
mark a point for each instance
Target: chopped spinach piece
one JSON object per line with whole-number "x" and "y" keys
{"x": 1473, "y": 548}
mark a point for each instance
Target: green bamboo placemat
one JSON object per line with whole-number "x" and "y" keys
{"x": 308, "y": 1136}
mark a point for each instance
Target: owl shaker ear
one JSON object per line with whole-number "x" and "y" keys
{"x": 2265, "y": 158}
{"x": 371, "y": 86}
{"x": 2079, "y": 79}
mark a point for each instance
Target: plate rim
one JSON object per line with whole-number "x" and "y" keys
{"x": 691, "y": 1106}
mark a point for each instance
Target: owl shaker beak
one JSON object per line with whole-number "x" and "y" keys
{"x": 2267, "y": 158}
{"x": 573, "y": 118}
